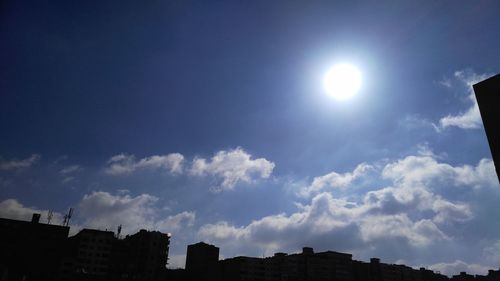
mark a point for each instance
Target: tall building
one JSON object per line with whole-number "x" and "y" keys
{"x": 488, "y": 98}
{"x": 202, "y": 261}
{"x": 146, "y": 255}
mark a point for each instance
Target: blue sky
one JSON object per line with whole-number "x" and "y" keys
{"x": 208, "y": 120}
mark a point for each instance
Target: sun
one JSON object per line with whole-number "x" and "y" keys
{"x": 342, "y": 81}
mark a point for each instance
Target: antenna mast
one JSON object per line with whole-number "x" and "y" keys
{"x": 67, "y": 217}
{"x": 49, "y": 216}
{"x": 119, "y": 231}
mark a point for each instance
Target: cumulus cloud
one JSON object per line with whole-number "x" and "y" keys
{"x": 400, "y": 227}
{"x": 103, "y": 210}
{"x": 470, "y": 118}
{"x": 408, "y": 215}
{"x": 126, "y": 164}
{"x": 330, "y": 222}
{"x": 335, "y": 180}
{"x": 424, "y": 170}
{"x": 13, "y": 209}
{"x": 232, "y": 166}
{"x": 175, "y": 222}
{"x": 19, "y": 164}
{"x": 325, "y": 215}
{"x": 447, "y": 211}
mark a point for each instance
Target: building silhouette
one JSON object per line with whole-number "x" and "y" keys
{"x": 88, "y": 255}
{"x": 311, "y": 266}
{"x": 100, "y": 255}
{"x": 43, "y": 252}
{"x": 146, "y": 255}
{"x": 30, "y": 250}
{"x": 302, "y": 266}
{"x": 488, "y": 98}
{"x": 202, "y": 261}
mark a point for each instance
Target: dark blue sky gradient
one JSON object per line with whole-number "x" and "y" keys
{"x": 89, "y": 80}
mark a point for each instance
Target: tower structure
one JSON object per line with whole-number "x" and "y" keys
{"x": 488, "y": 99}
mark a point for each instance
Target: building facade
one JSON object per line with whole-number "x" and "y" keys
{"x": 30, "y": 250}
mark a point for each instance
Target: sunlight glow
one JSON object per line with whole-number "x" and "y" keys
{"x": 342, "y": 81}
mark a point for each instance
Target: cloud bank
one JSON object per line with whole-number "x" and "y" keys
{"x": 412, "y": 214}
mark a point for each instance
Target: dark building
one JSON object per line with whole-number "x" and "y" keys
{"x": 99, "y": 255}
{"x": 321, "y": 266}
{"x": 488, "y": 98}
{"x": 31, "y": 250}
{"x": 202, "y": 261}
{"x": 88, "y": 255}
{"x": 463, "y": 276}
{"x": 307, "y": 265}
{"x": 242, "y": 268}
{"x": 146, "y": 255}
{"x": 493, "y": 275}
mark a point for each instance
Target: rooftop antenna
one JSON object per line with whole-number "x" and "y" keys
{"x": 49, "y": 216}
{"x": 67, "y": 217}
{"x": 119, "y": 231}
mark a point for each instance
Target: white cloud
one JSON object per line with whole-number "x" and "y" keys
{"x": 335, "y": 180}
{"x": 445, "y": 82}
{"x": 471, "y": 118}
{"x": 414, "y": 122}
{"x": 447, "y": 211}
{"x": 328, "y": 222}
{"x": 325, "y": 216}
{"x": 424, "y": 170}
{"x": 391, "y": 227}
{"x": 454, "y": 268}
{"x": 19, "y": 164}
{"x": 106, "y": 211}
{"x": 416, "y": 201}
{"x": 176, "y": 261}
{"x": 70, "y": 169}
{"x": 12, "y": 209}
{"x": 103, "y": 210}
{"x": 233, "y": 166}
{"x": 176, "y": 222}
{"x": 126, "y": 164}
{"x": 68, "y": 173}
{"x": 67, "y": 179}
{"x": 410, "y": 215}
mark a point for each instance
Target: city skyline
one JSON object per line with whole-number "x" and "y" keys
{"x": 209, "y": 121}
{"x": 34, "y": 250}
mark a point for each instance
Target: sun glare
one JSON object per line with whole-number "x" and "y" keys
{"x": 342, "y": 81}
